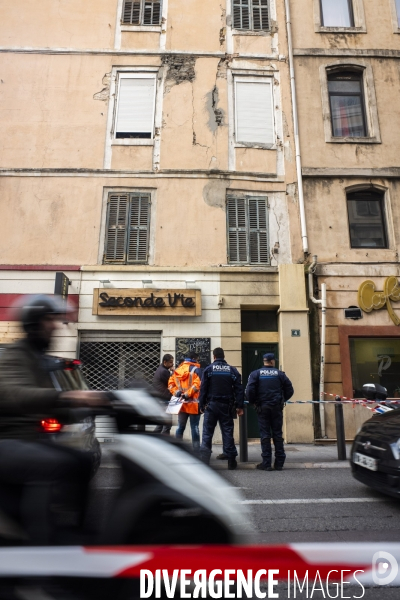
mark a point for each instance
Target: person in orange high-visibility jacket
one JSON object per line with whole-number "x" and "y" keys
{"x": 185, "y": 383}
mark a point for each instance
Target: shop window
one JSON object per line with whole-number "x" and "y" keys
{"x": 141, "y": 12}
{"x": 134, "y": 117}
{"x": 337, "y": 13}
{"x": 251, "y": 15}
{"x": 254, "y": 119}
{"x": 248, "y": 230}
{"x": 347, "y": 105}
{"x": 128, "y": 224}
{"x": 375, "y": 360}
{"x": 367, "y": 219}
{"x": 259, "y": 320}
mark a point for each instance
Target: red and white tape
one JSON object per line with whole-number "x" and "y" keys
{"x": 127, "y": 562}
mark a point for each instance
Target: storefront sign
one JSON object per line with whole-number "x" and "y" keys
{"x": 202, "y": 346}
{"x": 369, "y": 299}
{"x": 146, "y": 302}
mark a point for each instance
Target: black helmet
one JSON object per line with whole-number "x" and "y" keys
{"x": 33, "y": 309}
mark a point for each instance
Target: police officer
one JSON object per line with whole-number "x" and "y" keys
{"x": 221, "y": 390}
{"x": 269, "y": 388}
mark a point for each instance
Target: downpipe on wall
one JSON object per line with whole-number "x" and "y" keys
{"x": 303, "y": 223}
{"x": 322, "y": 302}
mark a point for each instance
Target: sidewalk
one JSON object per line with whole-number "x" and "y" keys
{"x": 298, "y": 456}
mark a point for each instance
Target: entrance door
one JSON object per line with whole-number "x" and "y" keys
{"x": 252, "y": 359}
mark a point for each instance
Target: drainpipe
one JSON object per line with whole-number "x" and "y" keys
{"x": 322, "y": 302}
{"x": 296, "y": 131}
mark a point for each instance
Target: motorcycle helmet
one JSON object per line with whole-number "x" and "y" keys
{"x": 33, "y": 309}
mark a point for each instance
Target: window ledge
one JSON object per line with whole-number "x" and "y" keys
{"x": 256, "y": 146}
{"x": 132, "y": 142}
{"x": 152, "y": 28}
{"x": 322, "y": 29}
{"x": 354, "y": 140}
{"x": 250, "y": 32}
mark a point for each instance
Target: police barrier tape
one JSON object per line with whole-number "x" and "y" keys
{"x": 363, "y": 561}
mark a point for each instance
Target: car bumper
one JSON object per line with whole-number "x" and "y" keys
{"x": 387, "y": 482}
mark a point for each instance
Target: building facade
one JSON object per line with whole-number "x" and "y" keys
{"x": 148, "y": 153}
{"x": 346, "y": 55}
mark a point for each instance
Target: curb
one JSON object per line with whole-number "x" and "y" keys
{"x": 343, "y": 464}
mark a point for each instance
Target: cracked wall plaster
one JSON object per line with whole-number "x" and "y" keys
{"x": 104, "y": 94}
{"x": 214, "y": 193}
{"x": 215, "y": 115}
{"x": 179, "y": 69}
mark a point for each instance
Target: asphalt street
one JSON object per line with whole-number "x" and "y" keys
{"x": 314, "y": 499}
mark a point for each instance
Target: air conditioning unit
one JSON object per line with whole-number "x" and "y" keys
{"x": 353, "y": 312}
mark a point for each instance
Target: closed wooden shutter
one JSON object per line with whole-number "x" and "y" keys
{"x": 117, "y": 218}
{"x": 131, "y": 12}
{"x": 152, "y": 12}
{"x": 258, "y": 231}
{"x": 241, "y": 14}
{"x": 254, "y": 114}
{"x": 237, "y": 230}
{"x": 260, "y": 15}
{"x": 138, "y": 235}
{"x": 135, "y": 111}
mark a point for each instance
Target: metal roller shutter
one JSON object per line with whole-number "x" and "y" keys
{"x": 115, "y": 360}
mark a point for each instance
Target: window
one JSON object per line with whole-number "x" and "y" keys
{"x": 251, "y": 15}
{"x": 337, "y": 13}
{"x": 259, "y": 320}
{"x": 375, "y": 360}
{"x": 128, "y": 223}
{"x": 248, "y": 230}
{"x": 141, "y": 12}
{"x": 398, "y": 12}
{"x": 135, "y": 105}
{"x": 366, "y": 219}
{"x": 254, "y": 114}
{"x": 346, "y": 99}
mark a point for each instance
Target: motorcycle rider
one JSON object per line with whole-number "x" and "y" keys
{"x": 29, "y": 462}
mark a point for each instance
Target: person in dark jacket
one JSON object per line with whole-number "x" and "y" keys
{"x": 220, "y": 392}
{"x": 160, "y": 386}
{"x": 268, "y": 389}
{"x": 28, "y": 461}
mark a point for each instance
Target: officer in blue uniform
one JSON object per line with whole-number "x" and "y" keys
{"x": 220, "y": 392}
{"x": 268, "y": 389}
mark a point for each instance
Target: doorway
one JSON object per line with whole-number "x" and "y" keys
{"x": 252, "y": 359}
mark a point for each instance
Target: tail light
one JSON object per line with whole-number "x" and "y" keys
{"x": 50, "y": 425}
{"x": 70, "y": 365}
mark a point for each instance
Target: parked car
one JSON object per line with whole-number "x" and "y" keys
{"x": 375, "y": 455}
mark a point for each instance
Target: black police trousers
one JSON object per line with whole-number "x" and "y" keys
{"x": 38, "y": 475}
{"x": 270, "y": 421}
{"x": 218, "y": 412}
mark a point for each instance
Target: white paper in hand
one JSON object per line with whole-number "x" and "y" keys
{"x": 174, "y": 406}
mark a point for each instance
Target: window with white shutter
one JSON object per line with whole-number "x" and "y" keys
{"x": 251, "y": 15}
{"x": 247, "y": 222}
{"x": 141, "y": 12}
{"x": 128, "y": 225}
{"x": 135, "y": 105}
{"x": 254, "y": 111}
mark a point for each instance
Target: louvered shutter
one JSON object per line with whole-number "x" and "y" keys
{"x": 152, "y": 12}
{"x": 237, "y": 230}
{"x": 131, "y": 12}
{"x": 135, "y": 112}
{"x": 139, "y": 222}
{"x": 254, "y": 115}
{"x": 117, "y": 217}
{"x": 241, "y": 14}
{"x": 260, "y": 15}
{"x": 258, "y": 231}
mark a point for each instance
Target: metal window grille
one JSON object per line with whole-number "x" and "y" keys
{"x": 111, "y": 365}
{"x": 128, "y": 224}
{"x": 251, "y": 15}
{"x": 141, "y": 12}
{"x": 247, "y": 221}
